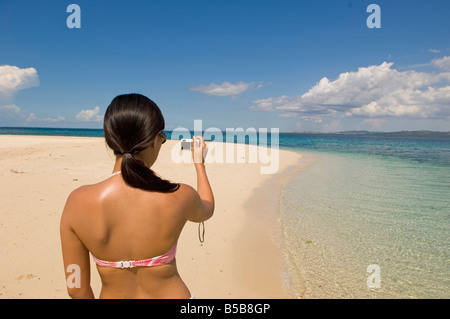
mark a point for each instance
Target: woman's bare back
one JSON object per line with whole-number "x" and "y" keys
{"x": 117, "y": 222}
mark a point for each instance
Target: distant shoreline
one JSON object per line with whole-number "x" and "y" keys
{"x": 98, "y": 132}
{"x": 414, "y": 134}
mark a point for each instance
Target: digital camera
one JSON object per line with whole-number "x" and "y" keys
{"x": 186, "y": 143}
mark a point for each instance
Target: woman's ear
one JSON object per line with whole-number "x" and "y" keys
{"x": 155, "y": 143}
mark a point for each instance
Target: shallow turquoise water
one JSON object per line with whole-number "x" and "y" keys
{"x": 349, "y": 210}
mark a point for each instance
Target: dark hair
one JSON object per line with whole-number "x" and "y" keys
{"x": 132, "y": 121}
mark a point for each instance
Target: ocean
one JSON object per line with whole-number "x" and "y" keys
{"x": 368, "y": 218}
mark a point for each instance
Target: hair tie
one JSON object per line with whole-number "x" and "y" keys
{"x": 127, "y": 153}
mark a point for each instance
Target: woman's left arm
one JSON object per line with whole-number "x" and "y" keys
{"x": 75, "y": 256}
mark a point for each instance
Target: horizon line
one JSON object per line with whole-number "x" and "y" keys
{"x": 348, "y": 132}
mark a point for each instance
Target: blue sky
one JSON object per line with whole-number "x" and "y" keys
{"x": 293, "y": 65}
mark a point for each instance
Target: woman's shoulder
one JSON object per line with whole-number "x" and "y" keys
{"x": 186, "y": 190}
{"x": 185, "y": 195}
{"x": 83, "y": 190}
{"x": 82, "y": 195}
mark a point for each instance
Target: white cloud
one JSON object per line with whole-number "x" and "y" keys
{"x": 373, "y": 91}
{"x": 315, "y": 119}
{"x": 226, "y": 88}
{"x": 434, "y": 51}
{"x": 443, "y": 63}
{"x": 33, "y": 118}
{"x": 13, "y": 79}
{"x": 430, "y": 103}
{"x": 268, "y": 105}
{"x": 10, "y": 108}
{"x": 90, "y": 115}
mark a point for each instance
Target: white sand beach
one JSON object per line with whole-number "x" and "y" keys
{"x": 240, "y": 257}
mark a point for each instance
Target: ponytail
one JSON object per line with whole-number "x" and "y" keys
{"x": 136, "y": 174}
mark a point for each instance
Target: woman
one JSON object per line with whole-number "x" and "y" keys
{"x": 131, "y": 221}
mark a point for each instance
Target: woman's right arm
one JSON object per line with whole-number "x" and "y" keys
{"x": 75, "y": 254}
{"x": 205, "y": 201}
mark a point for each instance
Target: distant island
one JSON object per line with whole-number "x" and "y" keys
{"x": 423, "y": 133}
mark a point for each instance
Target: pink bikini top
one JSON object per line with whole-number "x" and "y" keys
{"x": 155, "y": 261}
